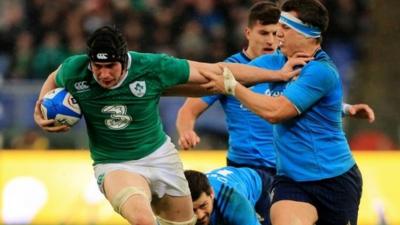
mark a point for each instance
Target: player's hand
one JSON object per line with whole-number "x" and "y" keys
{"x": 294, "y": 64}
{"x": 224, "y": 84}
{"x": 47, "y": 125}
{"x": 215, "y": 83}
{"x": 361, "y": 111}
{"x": 188, "y": 139}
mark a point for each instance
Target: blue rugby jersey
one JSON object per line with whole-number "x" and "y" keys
{"x": 250, "y": 137}
{"x": 311, "y": 146}
{"x": 236, "y": 192}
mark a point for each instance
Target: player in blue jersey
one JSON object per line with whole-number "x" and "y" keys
{"x": 318, "y": 181}
{"x": 258, "y": 154}
{"x": 250, "y": 137}
{"x": 225, "y": 196}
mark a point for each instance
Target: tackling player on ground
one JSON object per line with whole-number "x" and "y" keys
{"x": 227, "y": 195}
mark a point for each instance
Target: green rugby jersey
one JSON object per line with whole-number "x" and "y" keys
{"x": 123, "y": 123}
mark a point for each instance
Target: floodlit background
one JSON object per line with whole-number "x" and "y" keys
{"x": 37, "y": 35}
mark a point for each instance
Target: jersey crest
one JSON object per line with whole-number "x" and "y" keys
{"x": 138, "y": 88}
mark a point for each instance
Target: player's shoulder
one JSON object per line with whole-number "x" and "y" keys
{"x": 322, "y": 62}
{"x": 76, "y": 60}
{"x": 144, "y": 57}
{"x": 238, "y": 57}
{"x": 322, "y": 67}
{"x": 230, "y": 171}
{"x": 75, "y": 64}
{"x": 274, "y": 60}
{"x": 321, "y": 71}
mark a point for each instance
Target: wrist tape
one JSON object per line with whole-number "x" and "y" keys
{"x": 229, "y": 82}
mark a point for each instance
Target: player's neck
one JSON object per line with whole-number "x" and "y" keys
{"x": 310, "y": 50}
{"x": 250, "y": 54}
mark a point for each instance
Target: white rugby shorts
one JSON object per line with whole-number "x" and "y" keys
{"x": 162, "y": 169}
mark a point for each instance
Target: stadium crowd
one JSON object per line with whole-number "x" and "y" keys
{"x": 37, "y": 35}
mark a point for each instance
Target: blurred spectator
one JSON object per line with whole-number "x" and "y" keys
{"x": 22, "y": 58}
{"x": 74, "y": 32}
{"x": 135, "y": 33}
{"x": 209, "y": 17}
{"x": 97, "y": 13}
{"x": 238, "y": 23}
{"x": 11, "y": 23}
{"x": 49, "y": 55}
{"x": 192, "y": 43}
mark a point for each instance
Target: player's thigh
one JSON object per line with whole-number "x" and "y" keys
{"x": 117, "y": 180}
{"x": 339, "y": 198}
{"x": 175, "y": 208}
{"x": 288, "y": 212}
{"x": 130, "y": 195}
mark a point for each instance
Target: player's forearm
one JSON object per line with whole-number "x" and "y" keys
{"x": 184, "y": 124}
{"x": 48, "y": 85}
{"x": 250, "y": 75}
{"x": 272, "y": 109}
{"x": 197, "y": 69}
{"x": 188, "y": 114}
{"x": 185, "y": 121}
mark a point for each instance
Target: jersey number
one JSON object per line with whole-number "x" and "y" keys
{"x": 119, "y": 119}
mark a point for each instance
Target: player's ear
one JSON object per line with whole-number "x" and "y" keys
{"x": 247, "y": 33}
{"x": 212, "y": 193}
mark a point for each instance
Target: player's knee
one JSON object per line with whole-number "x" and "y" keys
{"x": 142, "y": 219}
{"x": 162, "y": 221}
{"x": 122, "y": 197}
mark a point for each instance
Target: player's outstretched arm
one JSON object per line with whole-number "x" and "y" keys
{"x": 185, "y": 122}
{"x": 359, "y": 111}
{"x": 250, "y": 75}
{"x": 272, "y": 109}
{"x": 199, "y": 85}
{"x": 47, "y": 125}
{"x": 245, "y": 74}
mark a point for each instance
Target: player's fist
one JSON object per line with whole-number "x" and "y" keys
{"x": 188, "y": 140}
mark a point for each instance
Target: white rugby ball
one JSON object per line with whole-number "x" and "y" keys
{"x": 58, "y": 104}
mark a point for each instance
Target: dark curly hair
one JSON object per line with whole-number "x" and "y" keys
{"x": 198, "y": 183}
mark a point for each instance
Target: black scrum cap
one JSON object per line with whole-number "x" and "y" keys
{"x": 107, "y": 44}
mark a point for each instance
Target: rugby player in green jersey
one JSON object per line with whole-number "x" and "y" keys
{"x": 137, "y": 167}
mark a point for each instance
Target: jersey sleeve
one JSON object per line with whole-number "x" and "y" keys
{"x": 210, "y": 99}
{"x": 239, "y": 210}
{"x": 313, "y": 83}
{"x": 70, "y": 68}
{"x": 61, "y": 75}
{"x": 172, "y": 71}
